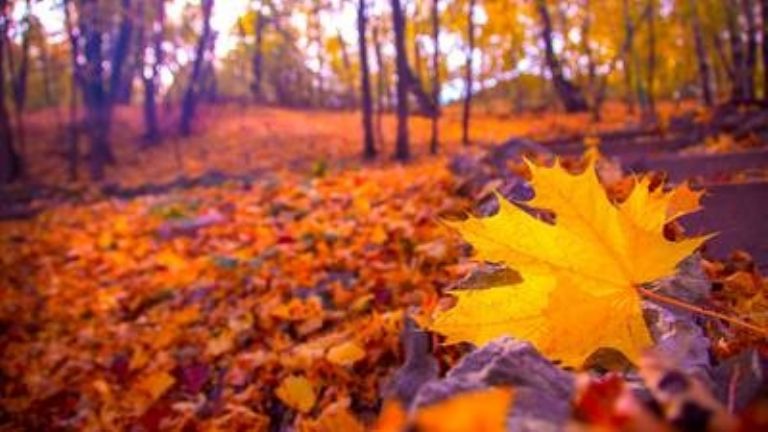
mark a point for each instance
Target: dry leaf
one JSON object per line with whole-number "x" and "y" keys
{"x": 345, "y": 354}
{"x": 297, "y": 393}
{"x": 579, "y": 274}
{"x": 478, "y": 411}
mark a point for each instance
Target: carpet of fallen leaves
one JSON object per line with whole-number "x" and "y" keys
{"x": 277, "y": 298}
{"x": 193, "y": 308}
{"x": 245, "y": 140}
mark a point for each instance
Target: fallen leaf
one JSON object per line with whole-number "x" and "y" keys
{"x": 149, "y": 389}
{"x": 345, "y": 354}
{"x": 392, "y": 418}
{"x": 336, "y": 417}
{"x": 478, "y": 411}
{"x": 578, "y": 275}
{"x": 297, "y": 393}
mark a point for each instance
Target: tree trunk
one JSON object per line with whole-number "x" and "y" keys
{"x": 650, "y": 108}
{"x": 382, "y": 88}
{"x": 10, "y": 165}
{"x": 418, "y": 63}
{"x": 369, "y": 150}
{"x": 45, "y": 62}
{"x": 151, "y": 120}
{"x": 315, "y": 36}
{"x": 120, "y": 53}
{"x": 722, "y": 57}
{"x": 347, "y": 75}
{"x": 95, "y": 95}
{"x": 416, "y": 88}
{"x": 764, "y": 16}
{"x": 189, "y": 104}
{"x": 402, "y": 150}
{"x": 468, "y": 84}
{"x": 210, "y": 90}
{"x": 19, "y": 84}
{"x": 257, "y": 62}
{"x": 738, "y": 58}
{"x": 73, "y": 151}
{"x": 750, "y": 60}
{"x": 701, "y": 55}
{"x": 595, "y": 90}
{"x": 435, "y": 75}
{"x": 570, "y": 94}
{"x": 629, "y": 43}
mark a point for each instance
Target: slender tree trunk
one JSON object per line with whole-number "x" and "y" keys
{"x": 570, "y": 95}
{"x": 257, "y": 62}
{"x": 416, "y": 88}
{"x": 722, "y": 57}
{"x": 315, "y": 34}
{"x": 750, "y": 60}
{"x": 19, "y": 84}
{"x": 586, "y": 45}
{"x": 95, "y": 95}
{"x": 629, "y": 39}
{"x": 651, "y": 63}
{"x": 120, "y": 53}
{"x": 382, "y": 89}
{"x": 435, "y": 15}
{"x": 764, "y": 46}
{"x": 369, "y": 149}
{"x": 151, "y": 118}
{"x": 10, "y": 164}
{"x": 468, "y": 84}
{"x": 402, "y": 149}
{"x": 191, "y": 95}
{"x": 210, "y": 89}
{"x": 348, "y": 75}
{"x": 738, "y": 57}
{"x": 45, "y": 62}
{"x": 418, "y": 61}
{"x": 76, "y": 81}
{"x": 701, "y": 55}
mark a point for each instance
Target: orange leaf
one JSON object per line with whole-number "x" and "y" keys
{"x": 297, "y": 393}
{"x": 478, "y": 411}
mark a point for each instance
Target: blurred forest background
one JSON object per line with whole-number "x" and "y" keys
{"x": 230, "y": 214}
{"x": 89, "y": 85}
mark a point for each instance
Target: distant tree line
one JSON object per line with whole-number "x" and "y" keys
{"x": 407, "y": 57}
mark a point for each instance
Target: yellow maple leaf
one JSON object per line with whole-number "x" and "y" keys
{"x": 579, "y": 274}
{"x": 297, "y": 393}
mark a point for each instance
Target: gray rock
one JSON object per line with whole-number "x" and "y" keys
{"x": 748, "y": 372}
{"x": 689, "y": 283}
{"x": 514, "y": 148}
{"x": 676, "y": 332}
{"x": 513, "y": 189}
{"x": 542, "y": 390}
{"x": 465, "y": 164}
{"x": 419, "y": 367}
{"x": 680, "y": 339}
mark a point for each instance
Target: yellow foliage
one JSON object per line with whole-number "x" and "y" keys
{"x": 345, "y": 354}
{"x": 579, "y": 274}
{"x": 297, "y": 393}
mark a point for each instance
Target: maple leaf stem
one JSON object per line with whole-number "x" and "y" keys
{"x": 661, "y": 298}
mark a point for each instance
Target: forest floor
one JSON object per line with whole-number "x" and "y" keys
{"x": 271, "y": 299}
{"x": 242, "y": 140}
